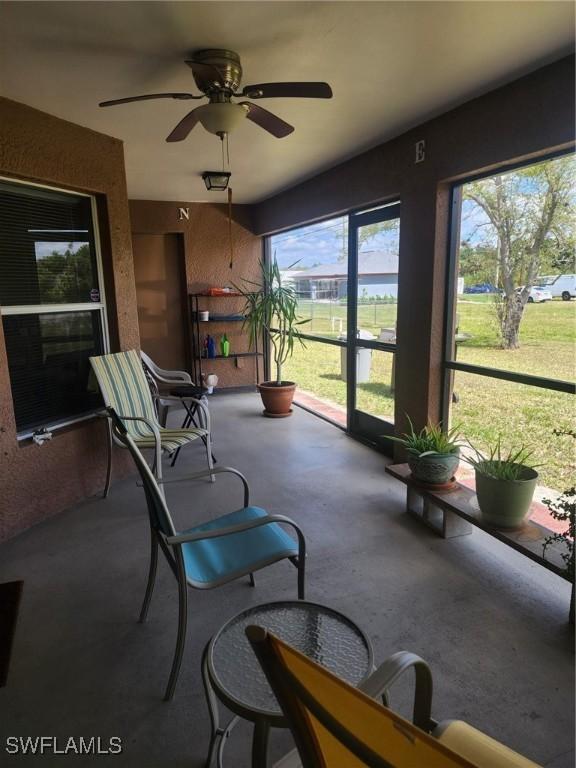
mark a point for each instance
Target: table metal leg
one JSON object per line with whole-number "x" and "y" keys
{"x": 215, "y": 731}
{"x": 218, "y": 735}
{"x": 223, "y": 740}
{"x": 260, "y": 744}
{"x": 189, "y": 420}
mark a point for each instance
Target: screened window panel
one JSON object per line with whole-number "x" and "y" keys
{"x": 47, "y": 249}
{"x": 48, "y": 361}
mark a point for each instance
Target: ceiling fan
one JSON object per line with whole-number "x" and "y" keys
{"x": 218, "y": 74}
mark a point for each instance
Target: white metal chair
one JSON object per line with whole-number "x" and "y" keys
{"x": 184, "y": 393}
{"x": 161, "y": 377}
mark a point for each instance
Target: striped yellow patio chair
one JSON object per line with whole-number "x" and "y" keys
{"x": 338, "y": 726}
{"x": 124, "y": 387}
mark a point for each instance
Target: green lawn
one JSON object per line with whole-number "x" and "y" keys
{"x": 486, "y": 407}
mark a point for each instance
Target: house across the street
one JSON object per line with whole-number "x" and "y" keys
{"x": 377, "y": 276}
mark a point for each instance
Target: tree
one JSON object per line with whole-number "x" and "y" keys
{"x": 65, "y": 276}
{"x": 530, "y": 216}
{"x": 365, "y": 234}
{"x": 478, "y": 263}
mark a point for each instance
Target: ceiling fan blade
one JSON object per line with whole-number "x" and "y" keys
{"x": 299, "y": 90}
{"x": 128, "y": 99}
{"x": 184, "y": 126}
{"x": 270, "y": 122}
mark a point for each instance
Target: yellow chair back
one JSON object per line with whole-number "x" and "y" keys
{"x": 337, "y": 726}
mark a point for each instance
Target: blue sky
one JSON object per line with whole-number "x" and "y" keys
{"x": 322, "y": 243}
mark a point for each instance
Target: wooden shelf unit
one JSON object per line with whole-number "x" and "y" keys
{"x": 198, "y": 359}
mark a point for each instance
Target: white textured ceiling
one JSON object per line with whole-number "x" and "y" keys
{"x": 391, "y": 65}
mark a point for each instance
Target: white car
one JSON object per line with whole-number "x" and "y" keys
{"x": 538, "y": 293}
{"x": 560, "y": 286}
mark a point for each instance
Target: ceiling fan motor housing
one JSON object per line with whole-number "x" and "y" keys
{"x": 222, "y": 62}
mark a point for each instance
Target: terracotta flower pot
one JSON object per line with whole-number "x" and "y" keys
{"x": 277, "y": 400}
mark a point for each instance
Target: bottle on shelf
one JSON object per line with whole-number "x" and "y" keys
{"x": 211, "y": 347}
{"x": 224, "y": 346}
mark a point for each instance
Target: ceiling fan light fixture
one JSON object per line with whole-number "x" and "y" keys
{"x": 221, "y": 117}
{"x": 216, "y": 181}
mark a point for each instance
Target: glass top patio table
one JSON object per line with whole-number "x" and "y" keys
{"x": 323, "y": 634}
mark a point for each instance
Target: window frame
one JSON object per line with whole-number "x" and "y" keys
{"x": 92, "y": 306}
{"x": 356, "y": 217}
{"x": 449, "y": 364}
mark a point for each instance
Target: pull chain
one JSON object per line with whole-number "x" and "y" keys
{"x": 224, "y": 166}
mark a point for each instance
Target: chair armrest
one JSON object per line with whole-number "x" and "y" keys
{"x": 183, "y": 538}
{"x": 155, "y": 431}
{"x": 213, "y": 471}
{"x": 176, "y": 399}
{"x": 378, "y": 683}
{"x": 172, "y": 377}
{"x": 153, "y": 426}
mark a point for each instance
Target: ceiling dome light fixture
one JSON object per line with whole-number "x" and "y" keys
{"x": 221, "y": 117}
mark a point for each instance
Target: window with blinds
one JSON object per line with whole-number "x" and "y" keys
{"x": 52, "y": 303}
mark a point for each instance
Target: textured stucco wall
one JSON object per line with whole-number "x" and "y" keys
{"x": 38, "y": 482}
{"x": 524, "y": 120}
{"x": 207, "y": 254}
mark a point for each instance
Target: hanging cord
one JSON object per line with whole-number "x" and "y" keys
{"x": 230, "y": 227}
{"x": 231, "y": 264}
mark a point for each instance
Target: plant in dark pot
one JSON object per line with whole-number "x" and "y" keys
{"x": 433, "y": 455}
{"x": 505, "y": 484}
{"x": 271, "y": 311}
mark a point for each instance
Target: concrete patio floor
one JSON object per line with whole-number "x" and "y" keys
{"x": 492, "y": 625}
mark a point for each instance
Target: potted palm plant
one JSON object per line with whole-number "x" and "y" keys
{"x": 271, "y": 311}
{"x": 433, "y": 455}
{"x": 505, "y": 484}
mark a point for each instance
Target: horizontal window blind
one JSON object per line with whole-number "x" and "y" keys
{"x": 53, "y": 312}
{"x": 48, "y": 360}
{"x": 47, "y": 250}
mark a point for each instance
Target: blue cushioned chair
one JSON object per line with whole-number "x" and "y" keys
{"x": 214, "y": 553}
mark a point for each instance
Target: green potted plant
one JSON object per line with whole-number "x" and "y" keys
{"x": 271, "y": 311}
{"x": 505, "y": 484}
{"x": 433, "y": 455}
